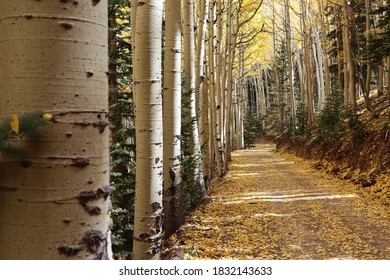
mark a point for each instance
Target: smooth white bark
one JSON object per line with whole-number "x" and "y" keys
{"x": 54, "y": 201}
{"x": 149, "y": 133}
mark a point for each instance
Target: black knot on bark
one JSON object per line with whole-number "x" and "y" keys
{"x": 25, "y": 163}
{"x": 94, "y": 240}
{"x": 67, "y": 25}
{"x": 80, "y": 162}
{"x": 69, "y": 250}
{"x": 156, "y": 206}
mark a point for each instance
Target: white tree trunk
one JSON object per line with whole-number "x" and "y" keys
{"x": 320, "y": 70}
{"x": 149, "y": 133}
{"x": 301, "y": 79}
{"x": 290, "y": 64}
{"x": 213, "y": 75}
{"x": 54, "y": 201}
{"x": 133, "y": 23}
{"x": 229, "y": 121}
{"x": 189, "y": 88}
{"x": 349, "y": 56}
{"x": 324, "y": 48}
{"x": 267, "y": 90}
{"x": 173, "y": 196}
{"x": 200, "y": 84}
{"x": 219, "y": 89}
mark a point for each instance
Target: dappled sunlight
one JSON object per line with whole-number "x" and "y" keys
{"x": 233, "y": 218}
{"x": 269, "y": 207}
{"x": 260, "y": 174}
{"x": 260, "y": 164}
{"x": 283, "y": 198}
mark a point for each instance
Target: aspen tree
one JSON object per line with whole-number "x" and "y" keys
{"x": 189, "y": 88}
{"x": 219, "y": 89}
{"x": 301, "y": 77}
{"x": 381, "y": 75}
{"x": 267, "y": 89}
{"x": 149, "y": 134}
{"x": 340, "y": 61}
{"x": 349, "y": 57}
{"x": 345, "y": 65}
{"x": 133, "y": 23}
{"x": 240, "y": 99}
{"x": 367, "y": 82}
{"x": 324, "y": 45}
{"x": 214, "y": 117}
{"x": 54, "y": 202}
{"x": 173, "y": 197}
{"x": 317, "y": 54}
{"x": 212, "y": 89}
{"x": 307, "y": 66}
{"x": 200, "y": 93}
{"x": 262, "y": 96}
{"x": 275, "y": 62}
{"x": 230, "y": 41}
{"x": 290, "y": 63}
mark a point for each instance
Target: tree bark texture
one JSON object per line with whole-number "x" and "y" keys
{"x": 149, "y": 133}
{"x": 189, "y": 89}
{"x": 54, "y": 202}
{"x": 173, "y": 196}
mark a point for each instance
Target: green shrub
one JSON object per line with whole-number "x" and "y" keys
{"x": 330, "y": 119}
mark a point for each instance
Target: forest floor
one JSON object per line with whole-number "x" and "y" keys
{"x": 277, "y": 206}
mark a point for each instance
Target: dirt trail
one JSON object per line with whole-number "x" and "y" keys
{"x": 273, "y": 206}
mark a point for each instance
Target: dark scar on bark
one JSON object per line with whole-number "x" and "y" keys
{"x": 8, "y": 189}
{"x": 156, "y": 206}
{"x": 144, "y": 235}
{"x": 89, "y": 74}
{"x": 67, "y": 25}
{"x": 93, "y": 210}
{"x": 25, "y": 163}
{"x": 102, "y": 192}
{"x": 80, "y": 162}
{"x": 69, "y": 250}
{"x": 101, "y": 125}
{"x": 93, "y": 240}
{"x": 82, "y": 123}
{"x": 91, "y": 195}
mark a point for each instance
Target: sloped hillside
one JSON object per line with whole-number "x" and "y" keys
{"x": 363, "y": 157}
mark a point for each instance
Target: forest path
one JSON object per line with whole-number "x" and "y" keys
{"x": 273, "y": 206}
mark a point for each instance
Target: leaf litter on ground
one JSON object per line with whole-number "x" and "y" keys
{"x": 276, "y": 206}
